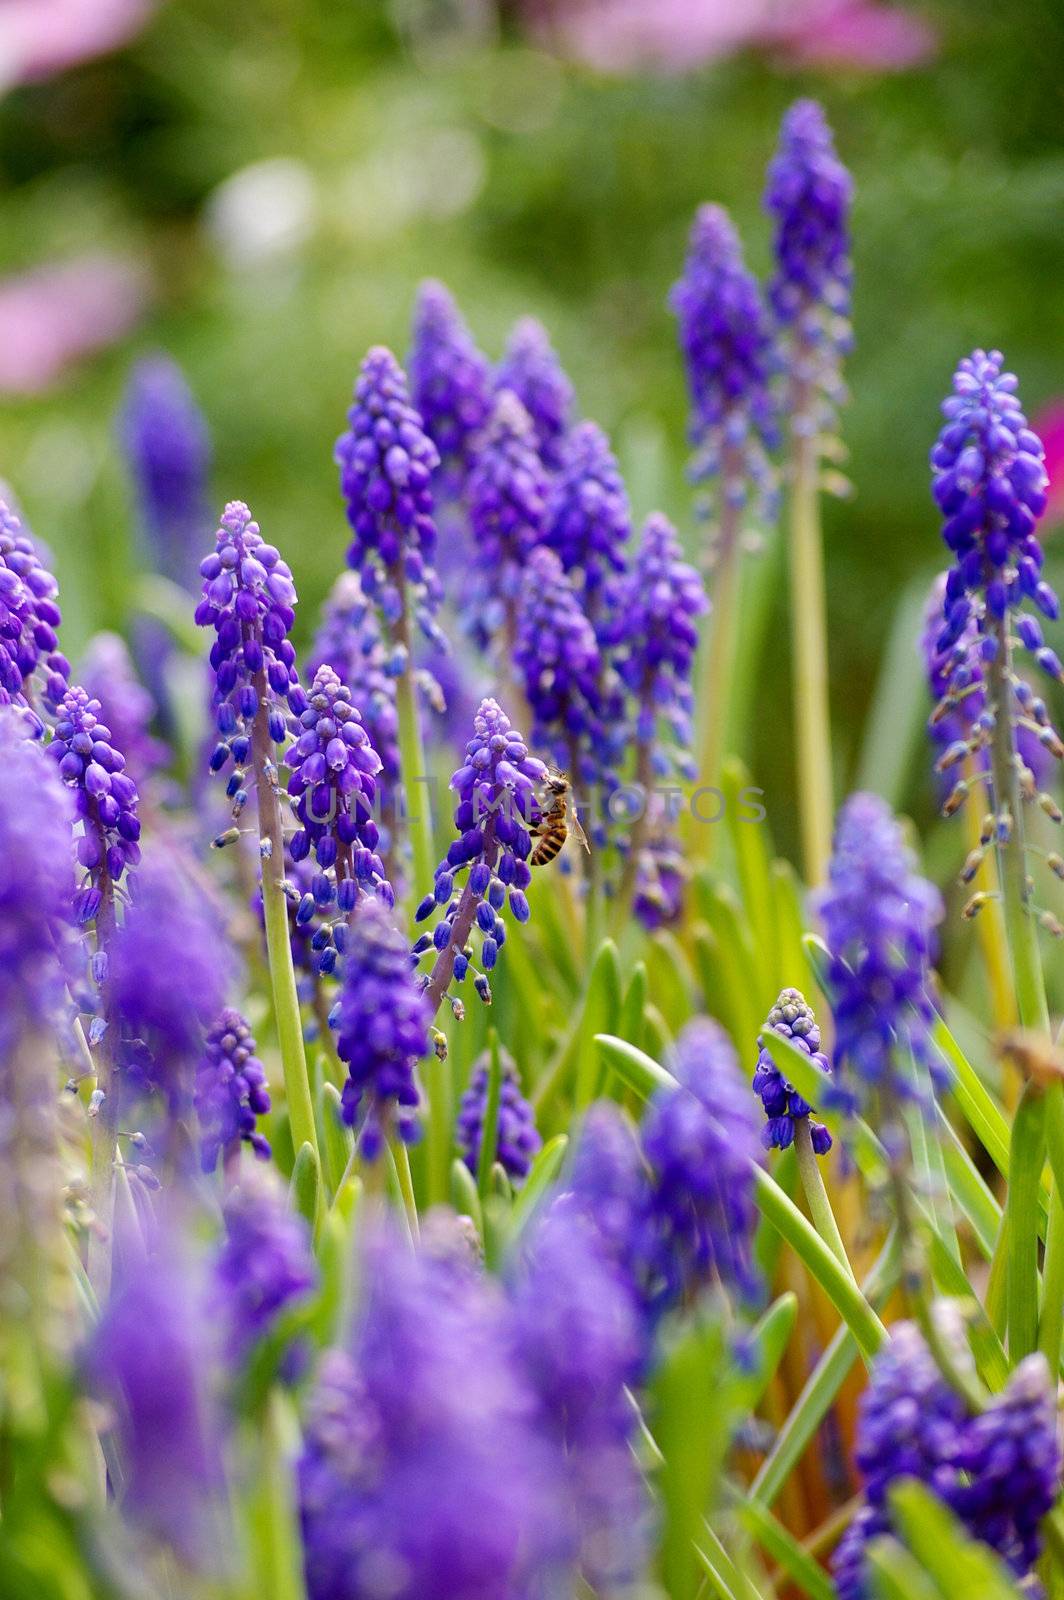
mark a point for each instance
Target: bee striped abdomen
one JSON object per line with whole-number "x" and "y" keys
{"x": 549, "y": 844}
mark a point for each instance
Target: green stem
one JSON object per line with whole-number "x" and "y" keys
{"x": 719, "y": 660}
{"x": 489, "y": 1130}
{"x": 812, "y": 721}
{"x": 1051, "y": 1328}
{"x": 401, "y": 1156}
{"x": 816, "y": 1194}
{"x": 278, "y": 946}
{"x": 412, "y": 758}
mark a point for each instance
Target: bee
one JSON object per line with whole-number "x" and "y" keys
{"x": 558, "y": 815}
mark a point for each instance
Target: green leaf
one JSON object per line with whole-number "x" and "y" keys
{"x": 489, "y": 1133}
{"x": 751, "y": 841}
{"x": 465, "y": 1197}
{"x": 630, "y": 1021}
{"x": 602, "y": 1008}
{"x": 545, "y": 1169}
{"x": 634, "y": 1067}
{"x": 957, "y": 1564}
{"x": 337, "y": 1139}
{"x": 305, "y": 1187}
{"x": 1026, "y": 1159}
{"x": 896, "y": 1575}
{"x": 273, "y": 1524}
{"x": 744, "y": 980}
{"x": 765, "y": 1343}
{"x": 688, "y": 1397}
{"x": 670, "y": 978}
{"x": 785, "y": 1550}
{"x": 896, "y": 722}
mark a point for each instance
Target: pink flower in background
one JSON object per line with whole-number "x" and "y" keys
{"x": 40, "y": 37}
{"x": 1049, "y": 426}
{"x": 680, "y": 35}
{"x": 54, "y": 315}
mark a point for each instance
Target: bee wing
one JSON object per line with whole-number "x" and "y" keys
{"x": 574, "y": 823}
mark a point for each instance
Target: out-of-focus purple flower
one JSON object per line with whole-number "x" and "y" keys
{"x": 231, "y": 1092}
{"x": 531, "y": 370}
{"x": 518, "y": 1137}
{"x": 654, "y": 635}
{"x": 728, "y": 350}
{"x": 249, "y": 600}
{"x": 608, "y": 1181}
{"x": 150, "y": 1357}
{"x": 661, "y": 874}
{"x": 382, "y": 1028}
{"x": 423, "y": 1466}
{"x": 167, "y": 446}
{"x": 31, "y": 663}
{"x": 167, "y": 975}
{"x": 879, "y": 919}
{"x": 808, "y": 195}
{"x": 386, "y": 462}
{"x": 57, "y": 314}
{"x": 588, "y": 521}
{"x": 701, "y": 1142}
{"x": 507, "y": 497}
{"x": 107, "y": 674}
{"x": 791, "y": 1017}
{"x": 558, "y": 658}
{"x": 349, "y": 640}
{"x": 36, "y": 886}
{"x": 333, "y": 786}
{"x": 496, "y": 789}
{"x": 580, "y": 1340}
{"x": 998, "y": 1471}
{"x": 105, "y": 797}
{"x": 450, "y": 383}
{"x": 265, "y": 1264}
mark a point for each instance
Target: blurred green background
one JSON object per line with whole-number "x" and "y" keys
{"x": 410, "y": 139}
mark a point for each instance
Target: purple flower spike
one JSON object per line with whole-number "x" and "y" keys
{"x": 654, "y": 633}
{"x": 333, "y": 787}
{"x": 661, "y": 875}
{"x": 265, "y": 1265}
{"x": 701, "y": 1142}
{"x": 791, "y": 1017}
{"x": 532, "y": 371}
{"x": 558, "y": 658}
{"x": 382, "y": 1029}
{"x": 879, "y": 919}
{"x": 231, "y": 1092}
{"x": 107, "y": 674}
{"x": 31, "y": 664}
{"x": 507, "y": 497}
{"x": 386, "y": 462}
{"x": 727, "y": 344}
{"x": 588, "y": 521}
{"x": 106, "y": 800}
{"x": 36, "y": 886}
{"x": 249, "y": 600}
{"x": 496, "y": 786}
{"x": 167, "y": 445}
{"x": 518, "y": 1137}
{"x": 609, "y": 1182}
{"x": 349, "y": 640}
{"x": 450, "y": 384}
{"x": 809, "y": 194}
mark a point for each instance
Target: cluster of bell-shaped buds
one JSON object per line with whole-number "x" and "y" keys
{"x": 791, "y": 1017}
{"x": 387, "y": 462}
{"x": 588, "y": 521}
{"x": 450, "y": 384}
{"x": 332, "y": 787}
{"x": 32, "y": 666}
{"x": 530, "y": 369}
{"x": 231, "y": 1092}
{"x": 106, "y": 799}
{"x": 517, "y": 1137}
{"x": 497, "y": 787}
{"x": 560, "y": 667}
{"x": 808, "y": 195}
{"x": 507, "y": 498}
{"x": 728, "y": 348}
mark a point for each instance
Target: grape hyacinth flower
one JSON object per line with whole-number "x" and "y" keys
{"x": 496, "y": 788}
{"x": 531, "y": 370}
{"x": 167, "y": 446}
{"x": 507, "y": 495}
{"x": 701, "y": 1142}
{"x": 879, "y": 920}
{"x": 386, "y": 462}
{"x": 728, "y": 350}
{"x": 808, "y": 195}
{"x": 332, "y": 786}
{"x": 450, "y": 384}
{"x": 518, "y": 1138}
{"x": 661, "y": 875}
{"x": 791, "y": 1017}
{"x": 560, "y": 667}
{"x": 31, "y": 664}
{"x": 382, "y": 1022}
{"x": 150, "y": 1357}
{"x": 421, "y": 1455}
{"x": 588, "y": 521}
{"x": 265, "y": 1265}
{"x": 107, "y": 674}
{"x": 580, "y": 1341}
{"x": 608, "y": 1181}
{"x": 349, "y": 640}
{"x": 231, "y": 1092}
{"x": 106, "y": 801}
